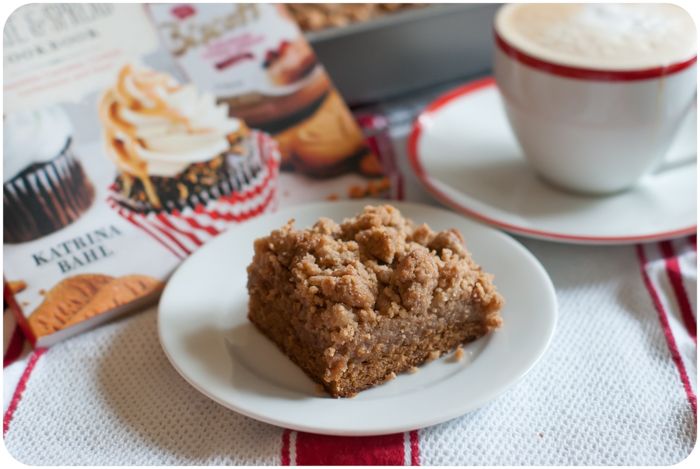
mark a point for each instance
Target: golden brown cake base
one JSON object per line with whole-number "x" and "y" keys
{"x": 357, "y": 303}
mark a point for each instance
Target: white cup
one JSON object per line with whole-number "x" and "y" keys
{"x": 587, "y": 130}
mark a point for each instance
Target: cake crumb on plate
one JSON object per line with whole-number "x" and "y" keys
{"x": 458, "y": 355}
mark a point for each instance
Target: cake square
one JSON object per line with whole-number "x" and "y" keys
{"x": 353, "y": 304}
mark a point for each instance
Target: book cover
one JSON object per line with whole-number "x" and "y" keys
{"x": 133, "y": 134}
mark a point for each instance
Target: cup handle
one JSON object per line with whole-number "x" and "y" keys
{"x": 683, "y": 156}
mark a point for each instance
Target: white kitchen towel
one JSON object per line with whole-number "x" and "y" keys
{"x": 617, "y": 386}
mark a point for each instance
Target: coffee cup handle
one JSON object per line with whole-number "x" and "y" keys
{"x": 684, "y": 156}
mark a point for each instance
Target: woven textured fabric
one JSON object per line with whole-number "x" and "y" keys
{"x": 111, "y": 397}
{"x": 607, "y": 391}
{"x": 617, "y": 385}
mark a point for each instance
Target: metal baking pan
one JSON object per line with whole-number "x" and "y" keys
{"x": 407, "y": 50}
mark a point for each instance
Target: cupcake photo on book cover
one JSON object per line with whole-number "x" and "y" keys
{"x": 45, "y": 187}
{"x": 186, "y": 168}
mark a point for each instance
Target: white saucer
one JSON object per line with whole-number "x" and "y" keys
{"x": 205, "y": 333}
{"x": 463, "y": 151}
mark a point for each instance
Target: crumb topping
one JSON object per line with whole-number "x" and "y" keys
{"x": 375, "y": 266}
{"x": 459, "y": 354}
{"x": 375, "y": 294}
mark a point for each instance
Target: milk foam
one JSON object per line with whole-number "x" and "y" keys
{"x": 600, "y": 36}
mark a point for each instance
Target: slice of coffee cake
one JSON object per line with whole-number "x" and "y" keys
{"x": 355, "y": 303}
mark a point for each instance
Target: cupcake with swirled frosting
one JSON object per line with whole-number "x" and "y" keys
{"x": 174, "y": 147}
{"x": 45, "y": 186}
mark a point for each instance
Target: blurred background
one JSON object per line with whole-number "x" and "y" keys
{"x": 412, "y": 47}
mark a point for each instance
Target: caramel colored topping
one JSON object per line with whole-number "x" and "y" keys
{"x": 143, "y": 93}
{"x": 123, "y": 148}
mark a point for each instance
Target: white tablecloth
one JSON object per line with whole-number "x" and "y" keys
{"x": 617, "y": 386}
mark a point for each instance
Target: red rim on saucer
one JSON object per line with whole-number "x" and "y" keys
{"x": 418, "y": 168}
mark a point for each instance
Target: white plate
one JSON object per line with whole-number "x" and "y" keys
{"x": 464, "y": 152}
{"x": 205, "y": 333}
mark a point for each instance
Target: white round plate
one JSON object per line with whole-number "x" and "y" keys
{"x": 205, "y": 333}
{"x": 463, "y": 151}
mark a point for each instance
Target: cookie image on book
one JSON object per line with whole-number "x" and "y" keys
{"x": 328, "y": 143}
{"x": 185, "y": 167}
{"x": 329, "y": 139}
{"x": 83, "y": 296}
{"x": 45, "y": 187}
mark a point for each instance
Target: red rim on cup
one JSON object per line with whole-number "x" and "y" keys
{"x": 588, "y": 73}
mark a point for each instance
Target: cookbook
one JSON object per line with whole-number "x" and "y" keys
{"x": 133, "y": 134}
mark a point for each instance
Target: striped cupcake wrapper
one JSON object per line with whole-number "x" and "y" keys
{"x": 243, "y": 171}
{"x": 183, "y": 230}
{"x": 45, "y": 197}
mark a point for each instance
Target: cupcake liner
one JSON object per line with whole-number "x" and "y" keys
{"x": 45, "y": 197}
{"x": 241, "y": 172}
{"x": 251, "y": 191}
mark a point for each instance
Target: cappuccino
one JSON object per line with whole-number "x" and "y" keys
{"x": 600, "y": 36}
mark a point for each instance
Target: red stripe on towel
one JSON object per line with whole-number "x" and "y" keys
{"x": 666, "y": 327}
{"x": 14, "y": 348}
{"x": 673, "y": 269}
{"x": 382, "y": 450}
{"x": 19, "y": 390}
{"x": 415, "y": 449}
{"x": 376, "y": 129}
{"x": 285, "y": 447}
